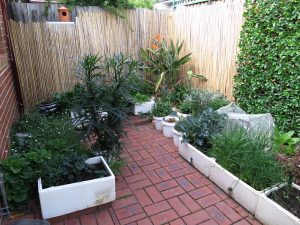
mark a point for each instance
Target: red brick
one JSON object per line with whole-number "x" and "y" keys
{"x": 133, "y": 218}
{"x": 136, "y": 156}
{"x": 209, "y": 222}
{"x": 145, "y": 162}
{"x": 158, "y": 153}
{"x": 154, "y": 194}
{"x": 143, "y": 197}
{"x": 252, "y": 220}
{"x": 89, "y": 219}
{"x": 177, "y": 222}
{"x": 231, "y": 203}
{"x": 121, "y": 185}
{"x": 153, "y": 176}
{"x": 178, "y": 206}
{"x": 189, "y": 202}
{"x": 166, "y": 185}
{"x": 217, "y": 215}
{"x": 228, "y": 211}
{"x": 140, "y": 184}
{"x": 104, "y": 218}
{"x": 185, "y": 184}
{"x": 73, "y": 221}
{"x": 242, "y": 222}
{"x": 135, "y": 178}
{"x": 145, "y": 221}
{"x": 195, "y": 180}
{"x": 200, "y": 192}
{"x": 120, "y": 203}
{"x": 174, "y": 167}
{"x": 145, "y": 154}
{"x": 157, "y": 208}
{"x": 135, "y": 169}
{"x": 164, "y": 217}
{"x": 179, "y": 173}
{"x": 243, "y": 212}
{"x": 196, "y": 218}
{"x": 128, "y": 211}
{"x": 170, "y": 158}
{"x": 208, "y": 200}
{"x": 123, "y": 192}
{"x": 151, "y": 167}
{"x": 173, "y": 192}
{"x": 163, "y": 174}
{"x": 162, "y": 161}
{"x": 218, "y": 191}
{"x": 113, "y": 216}
{"x": 125, "y": 171}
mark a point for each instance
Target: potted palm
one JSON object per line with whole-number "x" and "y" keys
{"x": 160, "y": 110}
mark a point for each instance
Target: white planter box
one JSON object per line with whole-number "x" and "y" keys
{"x": 176, "y": 136}
{"x": 196, "y": 157}
{"x": 269, "y": 212}
{"x": 143, "y": 107}
{"x": 240, "y": 191}
{"x": 60, "y": 200}
{"x": 168, "y": 127}
{"x": 158, "y": 123}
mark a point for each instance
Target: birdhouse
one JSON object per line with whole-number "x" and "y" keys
{"x": 63, "y": 14}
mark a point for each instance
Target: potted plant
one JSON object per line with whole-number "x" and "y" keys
{"x": 95, "y": 184}
{"x": 143, "y": 104}
{"x": 185, "y": 108}
{"x": 160, "y": 110}
{"x": 168, "y": 125}
{"x": 177, "y": 131}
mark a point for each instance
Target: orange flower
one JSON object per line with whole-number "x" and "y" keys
{"x": 154, "y": 46}
{"x": 157, "y": 37}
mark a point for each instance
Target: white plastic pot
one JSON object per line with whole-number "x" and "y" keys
{"x": 269, "y": 212}
{"x": 168, "y": 127}
{"x": 158, "y": 122}
{"x": 143, "y": 107}
{"x": 176, "y": 136}
{"x": 60, "y": 200}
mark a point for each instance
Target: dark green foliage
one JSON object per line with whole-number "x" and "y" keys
{"x": 217, "y": 103}
{"x": 162, "y": 109}
{"x": 140, "y": 98}
{"x": 103, "y": 103}
{"x": 198, "y": 129}
{"x": 186, "y": 107}
{"x": 21, "y": 173}
{"x": 180, "y": 125}
{"x": 246, "y": 156}
{"x": 268, "y": 77}
{"x": 179, "y": 94}
{"x": 54, "y": 133}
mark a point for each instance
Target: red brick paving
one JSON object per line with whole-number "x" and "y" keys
{"x": 158, "y": 187}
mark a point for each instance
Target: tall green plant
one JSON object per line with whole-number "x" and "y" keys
{"x": 163, "y": 63}
{"x": 268, "y": 62}
{"x": 103, "y": 103}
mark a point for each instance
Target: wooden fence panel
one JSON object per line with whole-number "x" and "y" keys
{"x": 47, "y": 54}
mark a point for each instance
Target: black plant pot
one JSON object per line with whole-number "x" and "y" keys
{"x": 50, "y": 107}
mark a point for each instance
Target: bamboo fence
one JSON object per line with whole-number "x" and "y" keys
{"x": 47, "y": 54}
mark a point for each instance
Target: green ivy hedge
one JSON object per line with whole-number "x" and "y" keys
{"x": 268, "y": 77}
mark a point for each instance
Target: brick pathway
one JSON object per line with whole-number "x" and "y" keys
{"x": 158, "y": 187}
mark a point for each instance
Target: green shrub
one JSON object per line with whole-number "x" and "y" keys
{"x": 246, "y": 156}
{"x": 179, "y": 94}
{"x": 186, "y": 107}
{"x": 198, "y": 129}
{"x": 203, "y": 99}
{"x": 180, "y": 125}
{"x": 285, "y": 142}
{"x": 161, "y": 109}
{"x": 140, "y": 98}
{"x": 268, "y": 62}
{"x": 54, "y": 133}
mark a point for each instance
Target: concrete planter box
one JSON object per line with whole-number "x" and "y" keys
{"x": 196, "y": 158}
{"x": 168, "y": 127}
{"x": 60, "y": 200}
{"x": 143, "y": 107}
{"x": 269, "y": 212}
{"x": 176, "y": 136}
{"x": 240, "y": 191}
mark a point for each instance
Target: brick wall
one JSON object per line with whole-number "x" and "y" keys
{"x": 9, "y": 110}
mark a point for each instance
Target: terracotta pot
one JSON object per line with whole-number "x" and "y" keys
{"x": 63, "y": 14}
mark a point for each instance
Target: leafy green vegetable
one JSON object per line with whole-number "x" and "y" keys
{"x": 161, "y": 109}
{"x": 285, "y": 142}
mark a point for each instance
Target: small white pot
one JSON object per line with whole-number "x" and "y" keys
{"x": 182, "y": 114}
{"x": 238, "y": 189}
{"x": 143, "y": 107}
{"x": 168, "y": 127}
{"x": 60, "y": 200}
{"x": 269, "y": 212}
{"x": 158, "y": 122}
{"x": 176, "y": 136}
